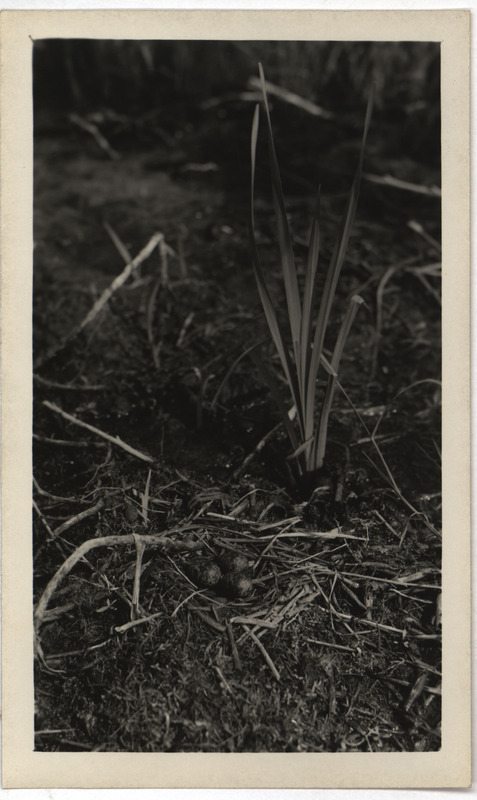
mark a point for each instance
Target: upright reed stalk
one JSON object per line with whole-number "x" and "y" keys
{"x": 299, "y": 344}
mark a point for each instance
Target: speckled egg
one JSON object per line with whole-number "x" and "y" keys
{"x": 131, "y": 513}
{"x": 235, "y": 584}
{"x": 233, "y": 562}
{"x": 204, "y": 573}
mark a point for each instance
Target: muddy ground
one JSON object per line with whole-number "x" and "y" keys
{"x": 335, "y": 643}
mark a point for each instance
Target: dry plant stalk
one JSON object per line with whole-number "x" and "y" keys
{"x": 114, "y": 439}
{"x": 160, "y": 541}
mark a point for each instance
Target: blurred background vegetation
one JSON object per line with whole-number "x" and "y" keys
{"x": 176, "y": 78}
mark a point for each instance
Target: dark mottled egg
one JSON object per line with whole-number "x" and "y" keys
{"x": 235, "y": 584}
{"x": 131, "y": 513}
{"x": 233, "y": 562}
{"x": 204, "y": 573}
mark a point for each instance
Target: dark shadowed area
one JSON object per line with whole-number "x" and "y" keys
{"x": 193, "y": 591}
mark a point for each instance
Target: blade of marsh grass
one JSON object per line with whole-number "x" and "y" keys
{"x": 287, "y": 258}
{"x": 272, "y": 320}
{"x": 326, "y": 364}
{"x": 233, "y": 367}
{"x": 300, "y": 449}
{"x": 301, "y": 363}
{"x": 277, "y": 396}
{"x": 309, "y": 292}
{"x": 319, "y": 444}
{"x": 332, "y": 276}
{"x": 345, "y": 229}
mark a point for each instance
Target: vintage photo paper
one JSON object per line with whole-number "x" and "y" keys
{"x": 250, "y": 534}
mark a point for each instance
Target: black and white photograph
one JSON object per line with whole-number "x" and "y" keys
{"x": 237, "y": 453}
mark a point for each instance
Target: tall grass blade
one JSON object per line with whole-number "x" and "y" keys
{"x": 284, "y": 240}
{"x": 333, "y": 275}
{"x": 277, "y": 396}
{"x": 271, "y": 317}
{"x": 300, "y": 449}
{"x": 309, "y": 292}
{"x": 302, "y": 360}
{"x": 319, "y": 445}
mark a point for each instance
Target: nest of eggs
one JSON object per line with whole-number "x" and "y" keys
{"x": 229, "y": 574}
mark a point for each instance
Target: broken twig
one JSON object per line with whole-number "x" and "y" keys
{"x": 100, "y": 140}
{"x": 113, "y": 439}
{"x": 103, "y": 299}
{"x": 292, "y": 98}
{"x": 89, "y": 512}
{"x": 156, "y": 540}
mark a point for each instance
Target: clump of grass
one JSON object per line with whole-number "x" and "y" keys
{"x": 300, "y": 343}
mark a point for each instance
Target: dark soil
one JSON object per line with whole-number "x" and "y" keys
{"x": 335, "y": 645}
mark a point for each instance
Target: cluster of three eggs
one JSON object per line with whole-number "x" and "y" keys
{"x": 229, "y": 574}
